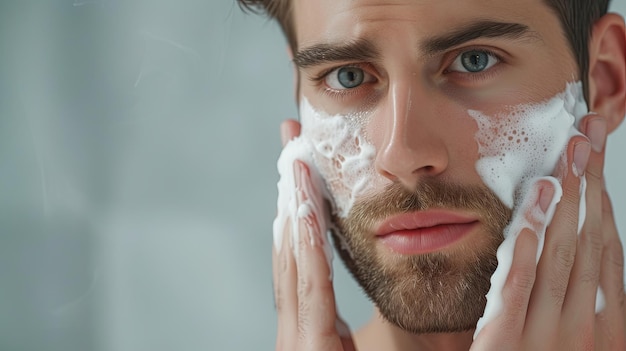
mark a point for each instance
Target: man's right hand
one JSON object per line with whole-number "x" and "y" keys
{"x": 303, "y": 289}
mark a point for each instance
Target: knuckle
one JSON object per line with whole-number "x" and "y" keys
{"x": 594, "y": 241}
{"x": 607, "y": 206}
{"x": 303, "y": 321}
{"x": 305, "y": 287}
{"x": 559, "y": 279}
{"x": 593, "y": 175}
{"x": 616, "y": 253}
{"x": 557, "y": 294}
{"x": 589, "y": 276}
{"x": 521, "y": 282}
{"x": 564, "y": 253}
{"x": 523, "y": 277}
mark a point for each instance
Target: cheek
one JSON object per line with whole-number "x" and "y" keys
{"x": 525, "y": 142}
{"x": 342, "y": 154}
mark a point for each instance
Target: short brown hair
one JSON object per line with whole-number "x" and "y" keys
{"x": 576, "y": 16}
{"x": 280, "y": 10}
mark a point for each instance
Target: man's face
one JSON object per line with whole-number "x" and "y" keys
{"x": 405, "y": 74}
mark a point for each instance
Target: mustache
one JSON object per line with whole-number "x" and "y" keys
{"x": 430, "y": 193}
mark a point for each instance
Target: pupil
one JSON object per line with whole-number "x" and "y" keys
{"x": 350, "y": 77}
{"x": 475, "y": 61}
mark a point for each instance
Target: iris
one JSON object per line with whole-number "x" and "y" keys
{"x": 475, "y": 61}
{"x": 350, "y": 77}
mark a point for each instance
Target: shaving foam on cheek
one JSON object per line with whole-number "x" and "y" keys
{"x": 342, "y": 154}
{"x": 517, "y": 150}
{"x": 341, "y": 163}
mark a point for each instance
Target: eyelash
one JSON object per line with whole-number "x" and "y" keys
{"x": 473, "y": 77}
{"x": 338, "y": 94}
{"x": 478, "y": 75}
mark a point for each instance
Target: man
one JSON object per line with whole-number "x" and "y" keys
{"x": 419, "y": 90}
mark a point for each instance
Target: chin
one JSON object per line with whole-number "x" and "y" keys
{"x": 437, "y": 292}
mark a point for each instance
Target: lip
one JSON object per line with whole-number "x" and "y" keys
{"x": 425, "y": 231}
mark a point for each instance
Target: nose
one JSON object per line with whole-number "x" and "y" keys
{"x": 413, "y": 146}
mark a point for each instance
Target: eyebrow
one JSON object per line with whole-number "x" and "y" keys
{"x": 475, "y": 30}
{"x": 364, "y": 50}
{"x": 357, "y": 50}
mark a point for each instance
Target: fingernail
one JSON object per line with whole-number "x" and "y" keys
{"x": 581, "y": 157}
{"x": 596, "y": 132}
{"x": 545, "y": 197}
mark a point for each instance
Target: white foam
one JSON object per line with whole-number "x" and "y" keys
{"x": 525, "y": 142}
{"x": 341, "y": 163}
{"x": 343, "y": 156}
{"x": 289, "y": 211}
{"x": 517, "y": 149}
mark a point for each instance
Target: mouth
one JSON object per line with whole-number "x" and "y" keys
{"x": 426, "y": 231}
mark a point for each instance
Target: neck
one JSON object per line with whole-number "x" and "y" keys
{"x": 379, "y": 334}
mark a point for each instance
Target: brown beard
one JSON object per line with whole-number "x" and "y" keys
{"x": 429, "y": 293}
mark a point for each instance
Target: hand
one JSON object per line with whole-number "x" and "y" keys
{"x": 303, "y": 289}
{"x": 551, "y": 305}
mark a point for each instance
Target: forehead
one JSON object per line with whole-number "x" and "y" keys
{"x": 318, "y": 21}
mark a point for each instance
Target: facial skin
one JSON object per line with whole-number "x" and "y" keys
{"x": 416, "y": 95}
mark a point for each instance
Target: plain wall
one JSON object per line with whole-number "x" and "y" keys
{"x": 138, "y": 143}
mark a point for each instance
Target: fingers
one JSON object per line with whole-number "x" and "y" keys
{"x": 612, "y": 263}
{"x": 541, "y": 312}
{"x": 612, "y": 277}
{"x": 519, "y": 252}
{"x": 557, "y": 258}
{"x": 567, "y": 274}
{"x": 610, "y": 320}
{"x": 285, "y": 282}
{"x": 316, "y": 303}
{"x": 507, "y": 327}
{"x": 580, "y": 304}
{"x": 304, "y": 294}
{"x": 517, "y": 291}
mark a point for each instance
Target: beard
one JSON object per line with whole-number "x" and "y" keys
{"x": 435, "y": 292}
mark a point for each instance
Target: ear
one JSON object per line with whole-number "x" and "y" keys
{"x": 607, "y": 69}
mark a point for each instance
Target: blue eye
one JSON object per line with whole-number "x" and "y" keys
{"x": 473, "y": 61}
{"x": 346, "y": 78}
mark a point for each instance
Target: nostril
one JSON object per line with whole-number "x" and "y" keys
{"x": 426, "y": 169}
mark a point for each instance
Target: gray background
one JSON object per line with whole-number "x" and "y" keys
{"x": 138, "y": 142}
